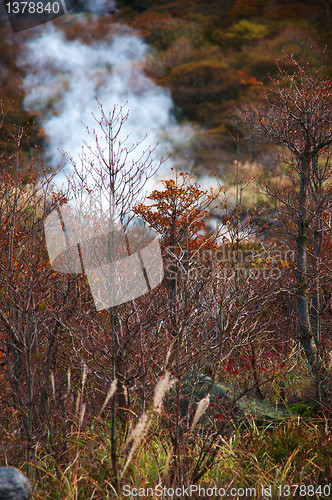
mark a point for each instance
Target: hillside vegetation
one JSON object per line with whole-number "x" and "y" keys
{"x": 213, "y": 56}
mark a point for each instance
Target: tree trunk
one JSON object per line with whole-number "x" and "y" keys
{"x": 321, "y": 371}
{"x": 304, "y": 325}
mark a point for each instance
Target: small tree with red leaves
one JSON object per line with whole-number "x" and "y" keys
{"x": 297, "y": 116}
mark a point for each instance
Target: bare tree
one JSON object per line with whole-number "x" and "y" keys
{"x": 23, "y": 275}
{"x": 297, "y": 116}
{"x": 111, "y": 178}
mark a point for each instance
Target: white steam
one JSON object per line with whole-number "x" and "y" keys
{"x": 99, "y": 6}
{"x": 64, "y": 78}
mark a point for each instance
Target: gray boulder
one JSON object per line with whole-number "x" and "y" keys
{"x": 13, "y": 484}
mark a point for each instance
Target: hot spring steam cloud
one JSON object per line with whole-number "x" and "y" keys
{"x": 99, "y": 6}
{"x": 64, "y": 78}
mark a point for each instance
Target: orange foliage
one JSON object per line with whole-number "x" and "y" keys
{"x": 178, "y": 213}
